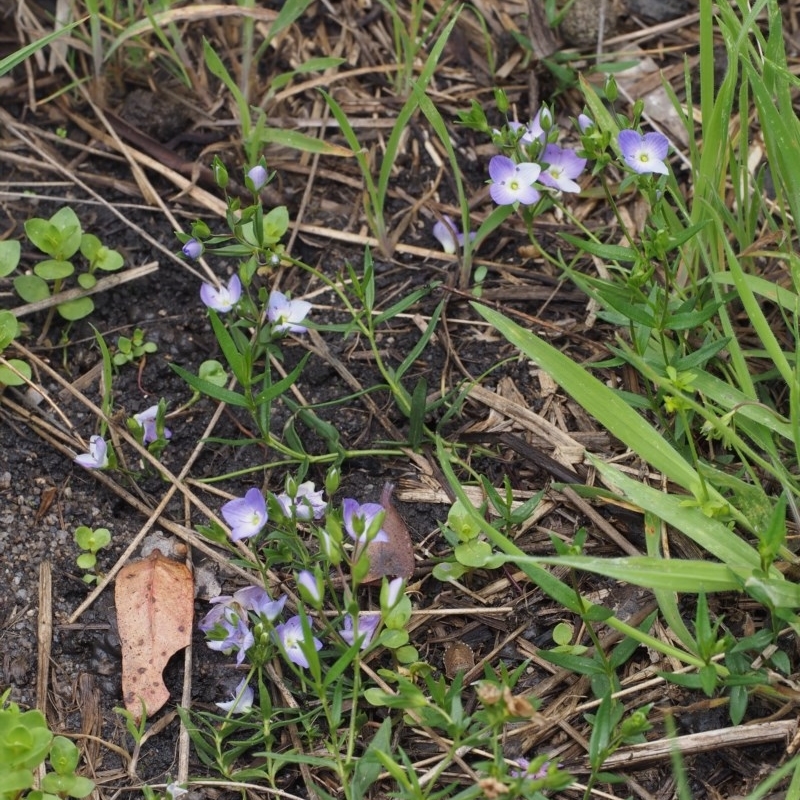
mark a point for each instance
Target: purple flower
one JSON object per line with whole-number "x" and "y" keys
{"x": 313, "y": 587}
{"x": 585, "y": 122}
{"x": 246, "y": 515}
{"x": 286, "y": 315}
{"x": 448, "y": 234}
{"x": 644, "y": 154}
{"x": 258, "y": 177}
{"x": 97, "y": 457}
{"x": 255, "y": 599}
{"x": 290, "y": 635}
{"x": 224, "y": 298}
{"x": 193, "y": 249}
{"x": 227, "y": 631}
{"x": 563, "y": 166}
{"x": 366, "y": 624}
{"x": 512, "y": 183}
{"x": 534, "y": 129}
{"x": 523, "y": 771}
{"x": 358, "y": 519}
{"x": 242, "y": 700}
{"x": 307, "y": 503}
{"x": 147, "y": 420}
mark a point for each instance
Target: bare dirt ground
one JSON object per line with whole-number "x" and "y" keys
{"x": 58, "y": 152}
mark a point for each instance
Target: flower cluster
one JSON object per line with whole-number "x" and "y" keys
{"x": 534, "y": 158}
{"x": 238, "y": 623}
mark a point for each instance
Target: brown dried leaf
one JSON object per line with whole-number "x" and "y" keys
{"x": 155, "y": 606}
{"x": 394, "y": 558}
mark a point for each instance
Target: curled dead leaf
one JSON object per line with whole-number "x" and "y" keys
{"x": 155, "y": 608}
{"x": 394, "y": 558}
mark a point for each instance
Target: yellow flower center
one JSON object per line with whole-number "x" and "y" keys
{"x": 514, "y": 185}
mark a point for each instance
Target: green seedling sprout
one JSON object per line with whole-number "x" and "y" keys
{"x": 91, "y": 541}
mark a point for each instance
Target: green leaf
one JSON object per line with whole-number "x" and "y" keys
{"x": 369, "y": 767}
{"x": 18, "y": 56}
{"x": 277, "y": 389}
{"x": 679, "y": 575}
{"x": 211, "y": 389}
{"x": 86, "y": 280}
{"x": 302, "y": 141}
{"x": 235, "y": 359}
{"x": 9, "y": 256}
{"x": 448, "y": 571}
{"x": 608, "y": 252}
{"x": 52, "y": 270}
{"x": 474, "y": 553}
{"x": 31, "y": 288}
{"x": 9, "y": 328}
{"x": 66, "y": 222}
{"x": 76, "y": 309}
{"x": 10, "y": 378}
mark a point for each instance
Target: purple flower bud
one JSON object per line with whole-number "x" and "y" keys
{"x": 391, "y": 593}
{"x": 258, "y": 177}
{"x": 585, "y": 122}
{"x": 193, "y": 249}
{"x": 308, "y": 581}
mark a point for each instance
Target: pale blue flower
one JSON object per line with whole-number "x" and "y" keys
{"x": 246, "y": 515}
{"x": 97, "y": 457}
{"x": 224, "y": 298}
{"x": 358, "y": 519}
{"x": 242, "y": 700}
{"x": 513, "y": 183}
{"x": 366, "y": 624}
{"x": 285, "y": 315}
{"x": 147, "y": 419}
{"x": 644, "y": 154}
{"x": 290, "y": 635}
{"x": 563, "y": 166}
{"x": 307, "y": 504}
{"x": 255, "y": 599}
{"x": 448, "y": 234}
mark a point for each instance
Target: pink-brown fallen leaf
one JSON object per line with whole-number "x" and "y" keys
{"x": 394, "y": 558}
{"x": 155, "y": 607}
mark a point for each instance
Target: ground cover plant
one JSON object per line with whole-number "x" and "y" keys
{"x": 465, "y": 408}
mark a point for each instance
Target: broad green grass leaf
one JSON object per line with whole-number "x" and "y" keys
{"x": 601, "y": 402}
{"x": 677, "y": 575}
{"x": 712, "y": 535}
{"x": 301, "y": 141}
